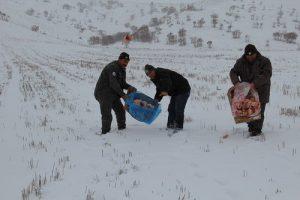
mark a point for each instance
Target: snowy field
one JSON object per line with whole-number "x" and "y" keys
{"x": 49, "y": 117}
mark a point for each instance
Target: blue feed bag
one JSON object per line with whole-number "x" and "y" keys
{"x": 142, "y": 107}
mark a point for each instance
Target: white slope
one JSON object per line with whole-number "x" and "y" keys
{"x": 49, "y": 117}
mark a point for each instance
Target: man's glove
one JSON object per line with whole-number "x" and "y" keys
{"x": 131, "y": 89}
{"x": 236, "y": 83}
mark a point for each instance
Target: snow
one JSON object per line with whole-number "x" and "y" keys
{"x": 49, "y": 117}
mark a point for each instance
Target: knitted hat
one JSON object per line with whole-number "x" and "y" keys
{"x": 250, "y": 49}
{"x": 124, "y": 55}
{"x": 149, "y": 68}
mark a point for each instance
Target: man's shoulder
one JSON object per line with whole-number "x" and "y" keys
{"x": 265, "y": 59}
{"x": 159, "y": 69}
{"x": 112, "y": 66}
{"x": 240, "y": 60}
{"x": 163, "y": 71}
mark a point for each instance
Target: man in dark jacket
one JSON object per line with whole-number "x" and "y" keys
{"x": 109, "y": 90}
{"x": 170, "y": 83}
{"x": 255, "y": 69}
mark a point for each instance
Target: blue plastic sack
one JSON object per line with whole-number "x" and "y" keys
{"x": 142, "y": 107}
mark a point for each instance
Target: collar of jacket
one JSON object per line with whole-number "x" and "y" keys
{"x": 156, "y": 75}
{"x": 122, "y": 68}
{"x": 258, "y": 58}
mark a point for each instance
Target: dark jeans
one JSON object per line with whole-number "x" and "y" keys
{"x": 176, "y": 110}
{"x": 256, "y": 126}
{"x": 117, "y": 107}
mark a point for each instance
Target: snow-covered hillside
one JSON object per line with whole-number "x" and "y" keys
{"x": 77, "y": 21}
{"x": 49, "y": 117}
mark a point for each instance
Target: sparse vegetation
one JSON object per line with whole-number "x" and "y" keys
{"x": 4, "y": 17}
{"x": 35, "y": 28}
{"x": 289, "y": 37}
{"x": 49, "y": 114}
{"x": 30, "y": 12}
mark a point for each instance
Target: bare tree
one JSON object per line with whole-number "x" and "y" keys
{"x": 247, "y": 38}
{"x": 30, "y": 12}
{"x": 35, "y": 28}
{"x": 188, "y": 18}
{"x": 182, "y": 37}
{"x": 214, "y": 20}
{"x": 143, "y": 34}
{"x": 182, "y": 32}
{"x": 94, "y": 40}
{"x": 221, "y": 26}
{"x": 236, "y": 34}
{"x": 107, "y": 40}
{"x": 182, "y": 41}
{"x": 209, "y": 44}
{"x": 267, "y": 43}
{"x": 197, "y": 42}
{"x": 66, "y": 7}
{"x": 171, "y": 39}
{"x": 4, "y": 17}
{"x": 154, "y": 22}
{"x": 169, "y": 10}
{"x": 152, "y": 8}
{"x": 297, "y": 26}
{"x": 229, "y": 28}
{"x": 290, "y": 37}
{"x": 199, "y": 23}
{"x": 277, "y": 36}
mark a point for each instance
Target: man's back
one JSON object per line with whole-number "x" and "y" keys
{"x": 104, "y": 87}
{"x": 171, "y": 81}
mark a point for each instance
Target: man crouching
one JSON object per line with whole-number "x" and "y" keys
{"x": 170, "y": 83}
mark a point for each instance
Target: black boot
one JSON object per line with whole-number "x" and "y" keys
{"x": 255, "y": 133}
{"x": 103, "y": 132}
{"x": 170, "y": 125}
{"x": 122, "y": 127}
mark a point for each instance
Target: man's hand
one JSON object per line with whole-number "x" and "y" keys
{"x": 125, "y": 107}
{"x": 131, "y": 89}
{"x": 163, "y": 94}
{"x": 236, "y": 83}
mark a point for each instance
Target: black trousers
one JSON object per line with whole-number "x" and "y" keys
{"x": 256, "y": 126}
{"x": 176, "y": 110}
{"x": 106, "y": 116}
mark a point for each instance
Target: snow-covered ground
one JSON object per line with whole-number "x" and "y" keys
{"x": 49, "y": 117}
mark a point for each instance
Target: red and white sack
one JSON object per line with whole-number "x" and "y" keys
{"x": 244, "y": 102}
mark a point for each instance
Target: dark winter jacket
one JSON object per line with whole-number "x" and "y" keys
{"x": 111, "y": 82}
{"x": 259, "y": 73}
{"x": 169, "y": 81}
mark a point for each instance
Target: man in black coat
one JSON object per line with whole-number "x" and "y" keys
{"x": 109, "y": 90}
{"x": 256, "y": 69}
{"x": 170, "y": 83}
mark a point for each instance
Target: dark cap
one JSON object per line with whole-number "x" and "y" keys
{"x": 250, "y": 49}
{"x": 124, "y": 55}
{"x": 149, "y": 68}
